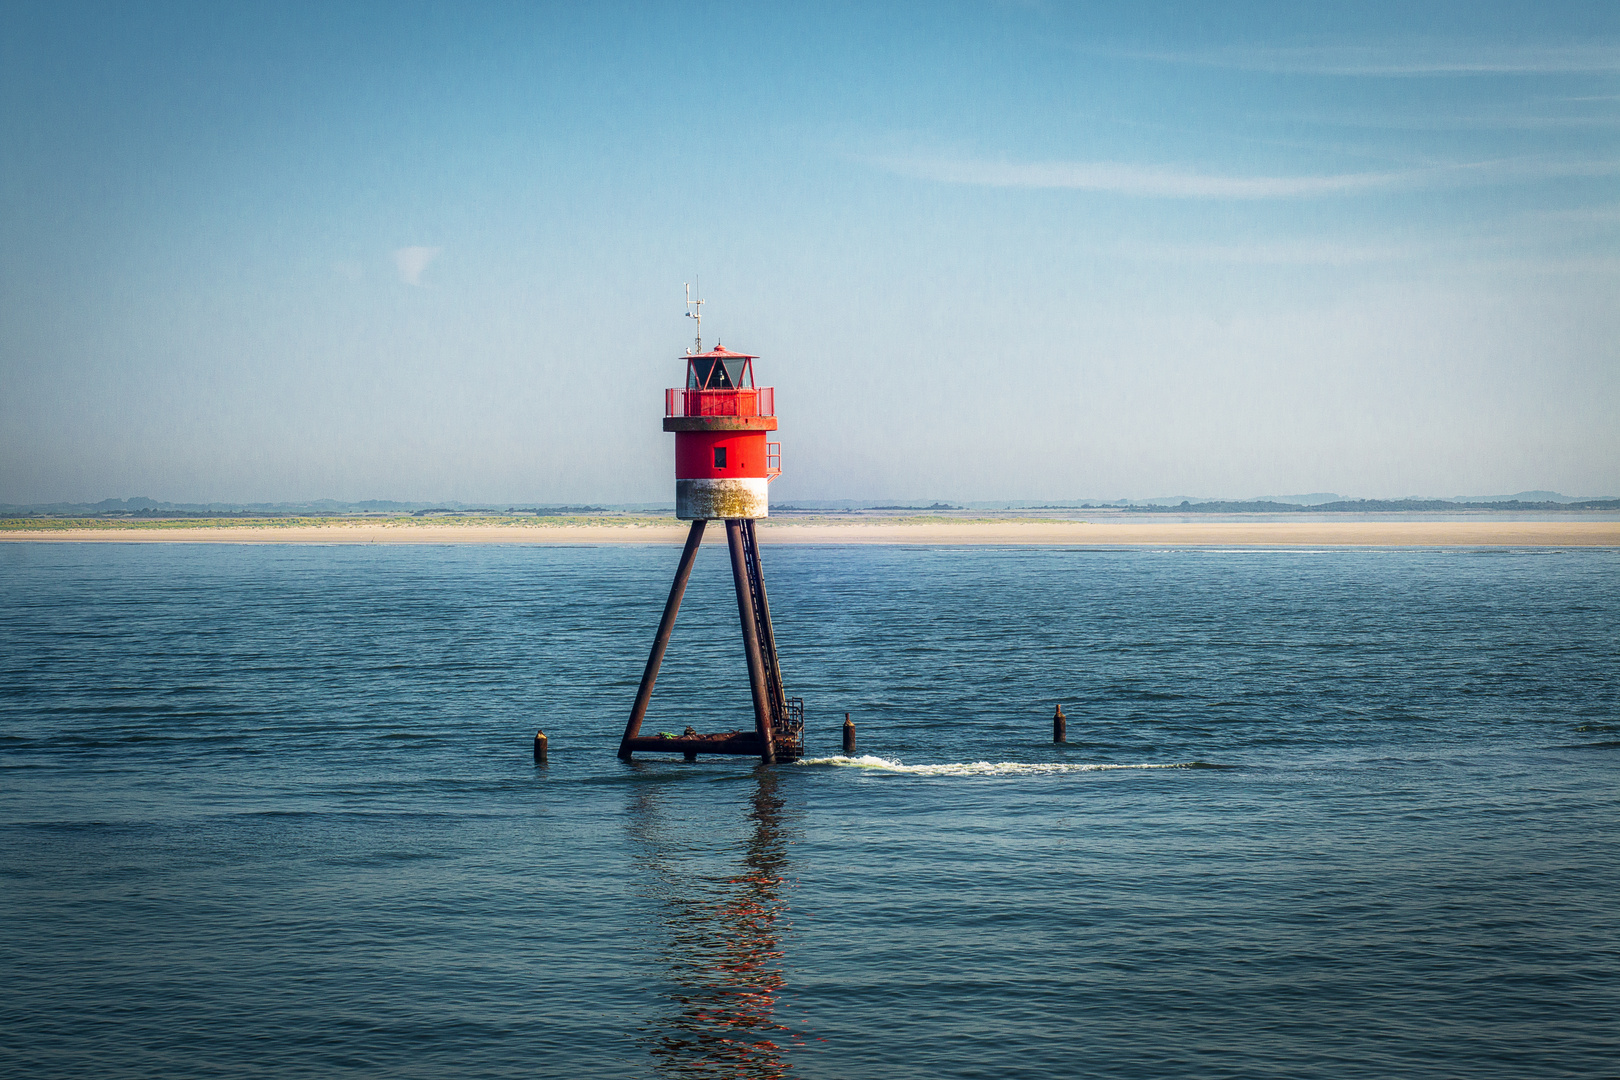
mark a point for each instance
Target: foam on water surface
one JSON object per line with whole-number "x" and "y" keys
{"x": 996, "y": 768}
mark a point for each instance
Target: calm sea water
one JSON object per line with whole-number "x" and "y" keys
{"x": 271, "y": 811}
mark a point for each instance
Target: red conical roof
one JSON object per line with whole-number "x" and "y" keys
{"x": 720, "y": 352}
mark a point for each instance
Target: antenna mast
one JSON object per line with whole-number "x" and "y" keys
{"x": 694, "y": 310}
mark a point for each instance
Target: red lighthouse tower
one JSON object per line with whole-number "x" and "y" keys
{"x": 723, "y": 469}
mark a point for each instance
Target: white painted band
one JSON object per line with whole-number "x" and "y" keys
{"x": 742, "y": 498}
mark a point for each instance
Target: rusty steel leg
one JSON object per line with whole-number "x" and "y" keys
{"x": 750, "y": 630}
{"x": 762, "y": 621}
{"x": 665, "y": 626}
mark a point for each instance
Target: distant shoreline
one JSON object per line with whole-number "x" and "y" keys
{"x": 1110, "y": 532}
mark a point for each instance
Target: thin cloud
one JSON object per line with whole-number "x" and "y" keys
{"x": 1121, "y": 179}
{"x": 1280, "y": 254}
{"x": 1440, "y": 122}
{"x": 1580, "y": 216}
{"x": 1577, "y": 264}
{"x": 1395, "y": 61}
{"x": 412, "y": 261}
{"x": 1507, "y": 248}
{"x": 1155, "y": 182}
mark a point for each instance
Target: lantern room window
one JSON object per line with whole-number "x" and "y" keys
{"x": 721, "y": 369}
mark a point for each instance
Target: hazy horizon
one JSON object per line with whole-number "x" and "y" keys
{"x": 1303, "y": 499}
{"x": 1000, "y": 252}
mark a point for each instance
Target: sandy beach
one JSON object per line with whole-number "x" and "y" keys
{"x": 1483, "y": 532}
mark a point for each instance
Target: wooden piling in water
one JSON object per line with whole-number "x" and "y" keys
{"x": 1060, "y": 726}
{"x": 540, "y": 748}
{"x": 849, "y": 736}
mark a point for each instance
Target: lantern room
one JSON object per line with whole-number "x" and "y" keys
{"x": 719, "y": 369}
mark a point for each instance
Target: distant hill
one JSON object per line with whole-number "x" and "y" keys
{"x": 141, "y": 507}
{"x": 1523, "y": 496}
{"x": 935, "y": 506}
{"x": 1315, "y": 498}
{"x": 1373, "y": 506}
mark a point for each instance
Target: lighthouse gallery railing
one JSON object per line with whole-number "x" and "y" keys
{"x": 758, "y": 401}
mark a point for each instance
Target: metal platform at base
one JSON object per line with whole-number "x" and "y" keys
{"x": 778, "y": 733}
{"x": 788, "y": 743}
{"x": 724, "y": 742}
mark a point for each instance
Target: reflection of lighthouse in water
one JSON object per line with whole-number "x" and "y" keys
{"x": 723, "y": 947}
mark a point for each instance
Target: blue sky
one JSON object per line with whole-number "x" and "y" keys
{"x": 993, "y": 250}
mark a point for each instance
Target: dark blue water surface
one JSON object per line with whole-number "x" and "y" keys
{"x": 270, "y": 811}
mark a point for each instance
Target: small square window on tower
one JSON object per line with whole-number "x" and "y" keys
{"x": 719, "y": 457}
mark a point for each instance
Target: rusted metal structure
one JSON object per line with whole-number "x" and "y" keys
{"x": 723, "y": 468}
